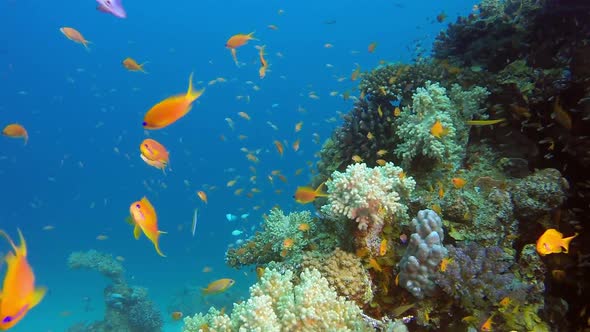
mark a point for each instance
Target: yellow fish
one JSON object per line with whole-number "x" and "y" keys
{"x": 144, "y": 218}
{"x": 552, "y": 242}
{"x": 437, "y": 130}
{"x": 19, "y": 294}
{"x": 218, "y": 286}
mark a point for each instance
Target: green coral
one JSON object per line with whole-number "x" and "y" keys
{"x": 269, "y": 244}
{"x": 429, "y": 105}
{"x": 276, "y": 303}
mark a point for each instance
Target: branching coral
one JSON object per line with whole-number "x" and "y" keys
{"x": 276, "y": 304}
{"x": 344, "y": 271}
{"x": 425, "y": 252}
{"x": 369, "y": 196}
{"x": 283, "y": 237}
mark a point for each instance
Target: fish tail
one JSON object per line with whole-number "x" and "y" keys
{"x": 9, "y": 239}
{"x": 191, "y": 93}
{"x": 26, "y": 137}
{"x": 566, "y": 243}
{"x": 85, "y": 43}
{"x": 251, "y": 35}
{"x": 318, "y": 190}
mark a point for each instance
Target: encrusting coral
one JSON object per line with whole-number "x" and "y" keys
{"x": 344, "y": 271}
{"x": 277, "y": 304}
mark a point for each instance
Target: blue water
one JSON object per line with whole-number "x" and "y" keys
{"x": 80, "y": 105}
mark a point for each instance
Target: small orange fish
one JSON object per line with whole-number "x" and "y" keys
{"x": 357, "y": 159}
{"x": 75, "y": 35}
{"x": 154, "y": 154}
{"x": 176, "y": 315}
{"x": 218, "y": 286}
{"x": 561, "y": 116}
{"x": 355, "y": 74}
{"x": 15, "y": 130}
{"x": 441, "y": 190}
{"x": 19, "y": 294}
{"x": 437, "y": 130}
{"x": 381, "y": 152}
{"x": 244, "y": 115}
{"x": 552, "y": 242}
{"x": 306, "y": 195}
{"x": 279, "y": 147}
{"x": 372, "y": 46}
{"x": 487, "y": 325}
{"x": 171, "y": 109}
{"x": 298, "y": 126}
{"x": 263, "y": 63}
{"x": 381, "y": 162}
{"x": 202, "y": 195}
{"x": 296, "y": 145}
{"x": 260, "y": 272}
{"x": 445, "y": 263}
{"x": 375, "y": 265}
{"x": 383, "y": 247}
{"x": 236, "y": 41}
{"x": 397, "y": 112}
{"x": 304, "y": 227}
{"x": 288, "y": 243}
{"x": 458, "y": 182}
{"x": 132, "y": 65}
{"x": 144, "y": 218}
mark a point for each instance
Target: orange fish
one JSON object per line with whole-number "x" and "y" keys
{"x": 154, "y": 154}
{"x": 383, "y": 247}
{"x": 74, "y": 35}
{"x": 132, "y": 65}
{"x": 437, "y": 130}
{"x": 218, "y": 286}
{"x": 171, "y": 109}
{"x": 244, "y": 115}
{"x": 355, "y": 74}
{"x": 279, "y": 146}
{"x": 298, "y": 126}
{"x": 296, "y": 145}
{"x": 372, "y": 47}
{"x": 263, "y": 63}
{"x": 458, "y": 182}
{"x": 144, "y": 218}
{"x": 15, "y": 130}
{"x": 176, "y": 315}
{"x": 487, "y": 325}
{"x": 203, "y": 196}
{"x": 304, "y": 227}
{"x": 19, "y": 294}
{"x": 552, "y": 242}
{"x": 236, "y": 41}
{"x": 375, "y": 265}
{"x": 306, "y": 195}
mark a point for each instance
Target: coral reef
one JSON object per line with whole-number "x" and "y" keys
{"x": 277, "y": 304}
{"x": 344, "y": 272}
{"x": 370, "y": 196}
{"x": 539, "y": 193}
{"x": 283, "y": 237}
{"x": 423, "y": 256}
{"x": 128, "y": 308}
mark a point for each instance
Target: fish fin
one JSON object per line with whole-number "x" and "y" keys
{"x": 22, "y": 249}
{"x": 162, "y": 232}
{"x": 3, "y": 233}
{"x": 251, "y": 35}
{"x": 136, "y": 232}
{"x": 130, "y": 220}
{"x": 37, "y": 296}
{"x": 157, "y": 246}
{"x": 234, "y": 56}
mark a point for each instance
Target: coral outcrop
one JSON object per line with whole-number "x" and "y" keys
{"x": 422, "y": 259}
{"x": 344, "y": 272}
{"x": 276, "y": 303}
{"x": 128, "y": 308}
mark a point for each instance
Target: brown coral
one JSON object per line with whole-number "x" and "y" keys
{"x": 344, "y": 271}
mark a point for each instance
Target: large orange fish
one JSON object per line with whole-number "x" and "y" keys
{"x": 306, "y": 195}
{"x": 553, "y": 242}
{"x": 154, "y": 154}
{"x": 19, "y": 294}
{"x": 15, "y": 130}
{"x": 75, "y": 35}
{"x": 144, "y": 218}
{"x": 172, "y": 108}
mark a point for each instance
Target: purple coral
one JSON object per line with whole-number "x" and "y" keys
{"x": 480, "y": 276}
